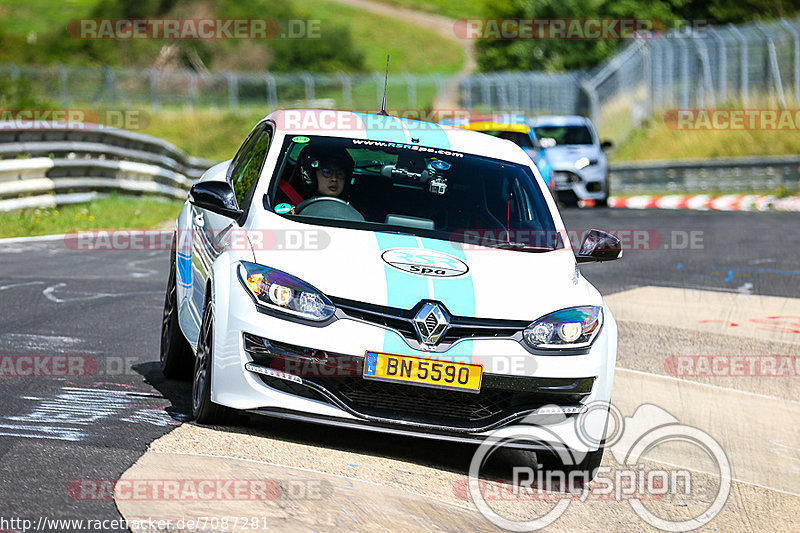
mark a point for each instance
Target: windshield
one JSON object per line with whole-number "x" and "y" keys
{"x": 565, "y": 134}
{"x": 398, "y": 187}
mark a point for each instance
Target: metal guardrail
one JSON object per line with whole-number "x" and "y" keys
{"x": 42, "y": 167}
{"x": 707, "y": 175}
{"x": 45, "y": 167}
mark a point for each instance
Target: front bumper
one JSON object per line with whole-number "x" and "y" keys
{"x": 251, "y": 373}
{"x": 588, "y": 183}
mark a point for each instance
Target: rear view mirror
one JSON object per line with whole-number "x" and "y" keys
{"x": 599, "y": 246}
{"x": 606, "y": 145}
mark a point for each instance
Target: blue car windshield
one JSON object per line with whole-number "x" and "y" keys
{"x": 411, "y": 189}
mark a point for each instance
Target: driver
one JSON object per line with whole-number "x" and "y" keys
{"x": 326, "y": 173}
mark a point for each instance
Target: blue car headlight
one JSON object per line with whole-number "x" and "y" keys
{"x": 282, "y": 292}
{"x": 575, "y": 327}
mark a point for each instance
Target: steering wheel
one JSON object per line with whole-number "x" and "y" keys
{"x": 329, "y": 206}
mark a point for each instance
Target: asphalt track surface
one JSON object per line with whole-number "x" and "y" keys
{"x": 103, "y": 309}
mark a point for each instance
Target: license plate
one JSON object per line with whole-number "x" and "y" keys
{"x": 424, "y": 372}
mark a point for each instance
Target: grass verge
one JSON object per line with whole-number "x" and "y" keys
{"x": 658, "y": 138}
{"x": 207, "y": 133}
{"x": 112, "y": 212}
{"x": 412, "y": 48}
{"x": 448, "y": 8}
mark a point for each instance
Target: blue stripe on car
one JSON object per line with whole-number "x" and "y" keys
{"x": 184, "y": 266}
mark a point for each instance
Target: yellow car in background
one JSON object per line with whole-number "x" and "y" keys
{"x": 515, "y": 128}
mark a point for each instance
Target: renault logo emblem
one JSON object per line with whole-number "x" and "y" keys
{"x": 430, "y": 323}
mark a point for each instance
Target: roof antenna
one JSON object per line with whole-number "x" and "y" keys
{"x": 385, "y": 85}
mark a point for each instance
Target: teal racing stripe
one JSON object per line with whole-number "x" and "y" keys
{"x": 406, "y": 290}
{"x": 383, "y": 128}
{"x": 394, "y": 129}
{"x": 427, "y": 134}
{"x": 457, "y": 294}
{"x": 403, "y": 290}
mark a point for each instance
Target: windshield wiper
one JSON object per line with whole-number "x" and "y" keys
{"x": 519, "y": 246}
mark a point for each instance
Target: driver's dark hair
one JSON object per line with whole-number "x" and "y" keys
{"x": 313, "y": 157}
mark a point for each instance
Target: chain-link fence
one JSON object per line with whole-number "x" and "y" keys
{"x": 159, "y": 89}
{"x": 748, "y": 65}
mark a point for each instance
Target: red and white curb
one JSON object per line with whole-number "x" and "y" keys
{"x": 704, "y": 202}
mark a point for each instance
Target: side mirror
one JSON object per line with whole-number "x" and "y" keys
{"x": 606, "y": 145}
{"x": 599, "y": 246}
{"x": 216, "y": 196}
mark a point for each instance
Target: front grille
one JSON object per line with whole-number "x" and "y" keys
{"x": 424, "y": 404}
{"x": 402, "y": 321}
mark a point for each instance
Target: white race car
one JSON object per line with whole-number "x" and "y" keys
{"x": 372, "y": 272}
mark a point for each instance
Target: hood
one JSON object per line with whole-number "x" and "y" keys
{"x": 401, "y": 270}
{"x": 567, "y": 154}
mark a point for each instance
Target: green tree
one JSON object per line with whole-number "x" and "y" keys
{"x": 558, "y": 55}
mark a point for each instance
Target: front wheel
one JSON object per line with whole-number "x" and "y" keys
{"x": 204, "y": 410}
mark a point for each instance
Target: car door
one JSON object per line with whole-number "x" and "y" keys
{"x": 210, "y": 233}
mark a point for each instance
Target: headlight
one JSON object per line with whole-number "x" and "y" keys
{"x": 584, "y": 162}
{"x": 280, "y": 291}
{"x": 575, "y": 327}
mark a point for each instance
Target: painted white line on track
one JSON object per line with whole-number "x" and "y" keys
{"x": 37, "y": 238}
{"x": 743, "y": 424}
{"x": 708, "y": 385}
{"x": 25, "y": 284}
{"x": 714, "y": 474}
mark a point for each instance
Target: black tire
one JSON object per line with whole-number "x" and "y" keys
{"x": 204, "y": 410}
{"x": 177, "y": 357}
